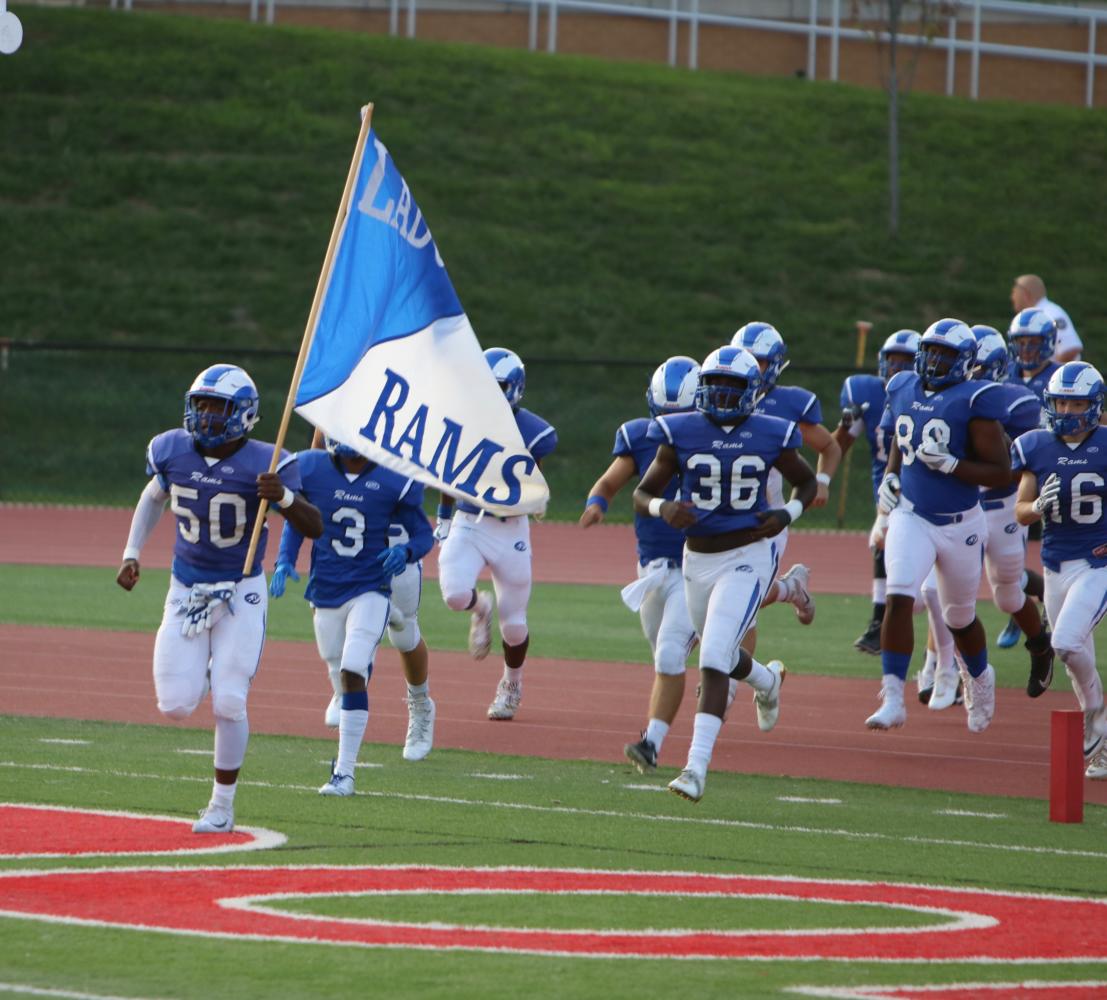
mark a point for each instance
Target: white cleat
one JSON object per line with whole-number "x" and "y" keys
{"x": 688, "y": 785}
{"x": 892, "y": 712}
{"x": 214, "y": 819}
{"x": 480, "y": 626}
{"x": 944, "y": 694}
{"x": 333, "y": 715}
{"x": 980, "y": 700}
{"x": 420, "y": 727}
{"x": 340, "y": 786}
{"x": 506, "y": 703}
{"x": 1096, "y": 768}
{"x": 1095, "y": 723}
{"x": 767, "y": 703}
{"x": 925, "y": 681}
{"x": 799, "y": 576}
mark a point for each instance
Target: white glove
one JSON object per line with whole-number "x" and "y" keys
{"x": 203, "y": 601}
{"x": 879, "y": 530}
{"x": 441, "y": 528}
{"x": 935, "y": 455}
{"x": 887, "y": 496}
{"x": 1049, "y": 493}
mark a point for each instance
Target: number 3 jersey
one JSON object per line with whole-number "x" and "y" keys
{"x": 724, "y": 470}
{"x": 1073, "y": 527}
{"x": 357, "y": 513}
{"x": 215, "y": 502}
{"x": 914, "y": 415}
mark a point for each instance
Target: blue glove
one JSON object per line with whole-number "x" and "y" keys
{"x": 394, "y": 560}
{"x": 281, "y": 572}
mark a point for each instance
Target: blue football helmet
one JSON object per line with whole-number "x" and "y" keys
{"x": 239, "y": 413}
{"x": 947, "y": 354}
{"x": 991, "y": 354}
{"x": 1032, "y": 337}
{"x": 765, "y": 343}
{"x": 508, "y": 369}
{"x": 1074, "y": 380}
{"x": 338, "y": 449}
{"x": 728, "y": 404}
{"x": 898, "y": 353}
{"x": 673, "y": 386}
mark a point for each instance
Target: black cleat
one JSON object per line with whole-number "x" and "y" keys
{"x": 643, "y": 755}
{"x": 869, "y": 642}
{"x": 1041, "y": 664}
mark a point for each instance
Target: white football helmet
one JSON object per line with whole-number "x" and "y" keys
{"x": 238, "y": 415}
{"x": 673, "y": 386}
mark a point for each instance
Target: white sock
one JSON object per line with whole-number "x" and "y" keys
{"x": 785, "y": 589}
{"x": 419, "y": 690}
{"x": 704, "y": 733}
{"x": 893, "y": 686}
{"x": 880, "y": 591}
{"x": 335, "y": 674}
{"x": 513, "y": 675}
{"x": 1080, "y": 666}
{"x": 351, "y": 731}
{"x": 656, "y": 731}
{"x": 231, "y": 737}
{"x": 760, "y": 677}
{"x": 222, "y": 796}
{"x": 931, "y": 661}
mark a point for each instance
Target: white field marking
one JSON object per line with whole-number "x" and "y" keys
{"x": 947, "y": 920}
{"x": 870, "y": 992}
{"x": 357, "y": 764}
{"x": 199, "y": 753}
{"x": 967, "y": 812}
{"x": 502, "y": 777}
{"x": 817, "y": 802}
{"x": 647, "y": 788}
{"x": 71, "y": 743}
{"x": 39, "y": 991}
{"x": 637, "y": 817}
{"x": 264, "y": 839}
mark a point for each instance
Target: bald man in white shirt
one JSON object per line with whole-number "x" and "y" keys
{"x": 1029, "y": 292}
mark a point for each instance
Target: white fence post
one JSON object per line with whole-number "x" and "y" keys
{"x": 532, "y": 26}
{"x": 270, "y": 11}
{"x": 551, "y": 28}
{"x": 1089, "y": 81}
{"x": 974, "y": 80}
{"x": 393, "y": 17}
{"x": 836, "y": 17}
{"x": 694, "y": 36}
{"x": 673, "y": 26}
{"x": 253, "y": 10}
{"x": 951, "y": 55}
{"x": 812, "y": 38}
{"x": 410, "y": 18}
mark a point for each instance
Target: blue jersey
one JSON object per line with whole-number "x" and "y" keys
{"x": 539, "y": 437}
{"x": 1023, "y": 413}
{"x": 656, "y": 539}
{"x": 857, "y": 390}
{"x": 357, "y": 513}
{"x": 724, "y": 471}
{"x": 916, "y": 415}
{"x": 216, "y": 503}
{"x": 791, "y": 402}
{"x": 1073, "y": 527}
{"x": 1037, "y": 383}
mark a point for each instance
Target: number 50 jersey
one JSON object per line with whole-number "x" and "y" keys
{"x": 724, "y": 470}
{"x": 914, "y": 415}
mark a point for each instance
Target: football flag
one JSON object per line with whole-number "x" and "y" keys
{"x": 395, "y": 370}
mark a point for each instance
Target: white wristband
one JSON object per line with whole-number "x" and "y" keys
{"x": 795, "y": 508}
{"x": 287, "y": 500}
{"x": 822, "y": 477}
{"x": 655, "y": 506}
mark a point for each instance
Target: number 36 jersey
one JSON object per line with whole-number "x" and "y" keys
{"x": 216, "y": 503}
{"x": 914, "y": 415}
{"x": 724, "y": 470}
{"x": 1073, "y": 527}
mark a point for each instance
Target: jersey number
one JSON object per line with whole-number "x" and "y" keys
{"x": 934, "y": 429}
{"x": 354, "y": 540}
{"x": 1087, "y": 508}
{"x": 189, "y": 523}
{"x": 718, "y": 484}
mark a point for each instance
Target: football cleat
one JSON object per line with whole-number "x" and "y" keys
{"x": 1096, "y": 767}
{"x": 339, "y": 785}
{"x": 688, "y": 785}
{"x": 420, "y": 727}
{"x": 798, "y": 577}
{"x": 767, "y": 703}
{"x": 892, "y": 712}
{"x": 869, "y": 640}
{"x": 506, "y": 703}
{"x": 944, "y": 694}
{"x": 980, "y": 700}
{"x": 480, "y": 626}
{"x": 214, "y": 819}
{"x": 1010, "y": 634}
{"x": 643, "y": 755}
{"x": 925, "y": 681}
{"x": 1041, "y": 665}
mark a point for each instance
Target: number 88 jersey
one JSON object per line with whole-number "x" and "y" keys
{"x": 724, "y": 470}
{"x": 1073, "y": 526}
{"x": 913, "y": 415}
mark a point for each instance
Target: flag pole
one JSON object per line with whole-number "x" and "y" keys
{"x": 863, "y": 328}
{"x": 309, "y": 330}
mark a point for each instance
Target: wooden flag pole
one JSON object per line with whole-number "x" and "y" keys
{"x": 863, "y": 328}
{"x": 309, "y": 330}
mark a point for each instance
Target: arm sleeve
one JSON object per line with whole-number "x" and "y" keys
{"x": 147, "y": 514}
{"x": 291, "y": 540}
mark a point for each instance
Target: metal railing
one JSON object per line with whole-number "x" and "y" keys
{"x": 687, "y": 13}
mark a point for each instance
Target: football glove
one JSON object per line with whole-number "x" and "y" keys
{"x": 442, "y": 522}
{"x": 394, "y": 560}
{"x": 281, "y": 572}
{"x": 879, "y": 530}
{"x": 1049, "y": 493}
{"x": 936, "y": 455}
{"x": 853, "y": 418}
{"x": 887, "y": 496}
{"x": 203, "y": 601}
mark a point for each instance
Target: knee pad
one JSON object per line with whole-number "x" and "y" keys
{"x": 1009, "y": 597}
{"x": 177, "y": 712}
{"x": 954, "y": 618}
{"x": 458, "y": 602}
{"x": 514, "y": 633}
{"x": 669, "y": 658}
{"x": 226, "y": 705}
{"x": 407, "y": 637}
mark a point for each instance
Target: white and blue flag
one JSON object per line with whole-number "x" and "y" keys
{"x": 395, "y": 369}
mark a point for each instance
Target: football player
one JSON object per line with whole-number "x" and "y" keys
{"x": 472, "y": 539}
{"x": 862, "y": 401}
{"x": 948, "y": 442}
{"x": 1064, "y": 483}
{"x": 213, "y": 626}
{"x": 353, "y": 569}
{"x": 658, "y": 595}
{"x": 723, "y": 452}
